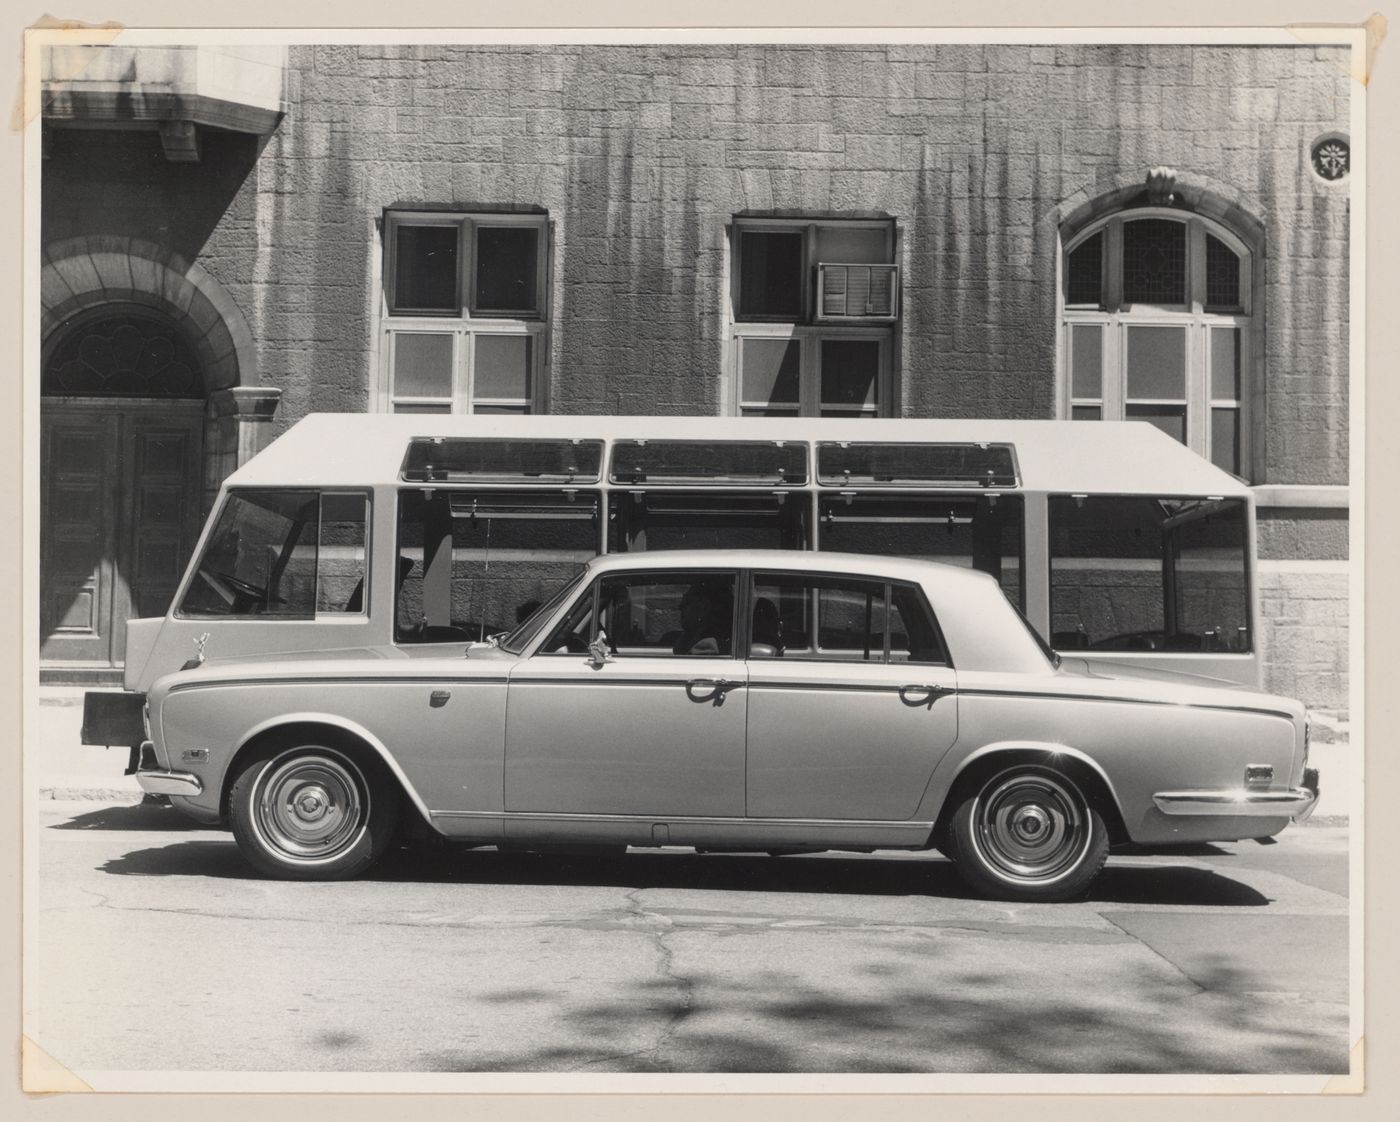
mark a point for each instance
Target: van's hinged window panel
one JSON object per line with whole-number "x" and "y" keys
{"x": 515, "y": 461}
{"x": 968, "y": 465}
{"x": 759, "y": 462}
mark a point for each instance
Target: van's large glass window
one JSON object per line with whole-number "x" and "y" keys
{"x": 975, "y": 531}
{"x": 476, "y": 563}
{"x": 655, "y": 520}
{"x": 282, "y": 553}
{"x": 1148, "y": 574}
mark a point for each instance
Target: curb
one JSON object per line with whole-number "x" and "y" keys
{"x": 90, "y": 794}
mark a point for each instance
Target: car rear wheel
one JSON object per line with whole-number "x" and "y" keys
{"x": 1027, "y": 833}
{"x": 312, "y": 812}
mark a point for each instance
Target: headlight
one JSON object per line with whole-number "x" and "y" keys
{"x": 1307, "y": 736}
{"x": 146, "y": 720}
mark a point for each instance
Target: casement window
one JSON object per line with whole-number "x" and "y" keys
{"x": 1157, "y": 326}
{"x": 465, "y": 314}
{"x": 813, "y": 309}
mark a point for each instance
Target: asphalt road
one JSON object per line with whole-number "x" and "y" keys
{"x": 154, "y": 947}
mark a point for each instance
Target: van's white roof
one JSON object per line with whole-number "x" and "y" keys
{"x": 1125, "y": 457}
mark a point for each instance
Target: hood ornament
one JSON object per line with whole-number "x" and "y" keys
{"x": 198, "y": 659}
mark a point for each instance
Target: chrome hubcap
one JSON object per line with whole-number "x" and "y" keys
{"x": 1031, "y": 826}
{"x": 310, "y": 807}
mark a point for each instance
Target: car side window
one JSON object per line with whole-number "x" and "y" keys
{"x": 847, "y": 619}
{"x": 651, "y": 615}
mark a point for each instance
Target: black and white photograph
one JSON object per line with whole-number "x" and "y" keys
{"x": 677, "y": 560}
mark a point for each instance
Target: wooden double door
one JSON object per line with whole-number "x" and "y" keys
{"x": 120, "y": 506}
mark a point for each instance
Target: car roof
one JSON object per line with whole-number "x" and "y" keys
{"x": 1122, "y": 457}
{"x": 790, "y": 560}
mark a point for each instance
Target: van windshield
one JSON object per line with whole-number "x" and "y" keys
{"x": 287, "y": 554}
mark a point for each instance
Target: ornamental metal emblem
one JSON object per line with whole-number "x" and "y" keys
{"x": 1332, "y": 158}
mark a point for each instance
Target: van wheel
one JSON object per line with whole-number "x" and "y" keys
{"x": 312, "y": 812}
{"x": 1027, "y": 833}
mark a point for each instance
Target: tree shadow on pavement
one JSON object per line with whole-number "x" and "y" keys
{"x": 772, "y": 1022}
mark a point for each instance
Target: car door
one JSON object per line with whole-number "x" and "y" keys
{"x": 655, "y": 728}
{"x": 852, "y": 701}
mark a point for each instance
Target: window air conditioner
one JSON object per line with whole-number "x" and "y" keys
{"x": 857, "y": 292}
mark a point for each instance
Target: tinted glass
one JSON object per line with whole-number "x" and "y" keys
{"x": 1222, "y": 275}
{"x": 1086, "y": 348}
{"x": 425, "y": 269}
{"x": 507, "y": 268}
{"x": 850, "y": 371}
{"x": 1157, "y": 362}
{"x": 770, "y": 274}
{"x": 722, "y": 462}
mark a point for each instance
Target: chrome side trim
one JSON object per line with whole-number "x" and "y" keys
{"x": 1048, "y": 696}
{"x": 169, "y": 782}
{"x": 346, "y": 680}
{"x": 1295, "y": 803}
{"x": 564, "y": 816}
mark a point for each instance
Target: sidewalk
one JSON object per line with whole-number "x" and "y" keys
{"x": 64, "y": 768}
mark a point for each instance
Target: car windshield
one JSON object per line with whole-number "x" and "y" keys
{"x": 518, "y": 639}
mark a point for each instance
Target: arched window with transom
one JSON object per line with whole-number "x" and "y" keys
{"x": 1156, "y": 326}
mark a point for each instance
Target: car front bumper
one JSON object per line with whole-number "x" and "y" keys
{"x": 158, "y": 782}
{"x": 1296, "y": 803}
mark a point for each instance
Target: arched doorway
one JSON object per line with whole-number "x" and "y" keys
{"x": 122, "y": 420}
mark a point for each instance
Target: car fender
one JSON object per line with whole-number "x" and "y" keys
{"x": 946, "y": 776}
{"x": 353, "y": 728}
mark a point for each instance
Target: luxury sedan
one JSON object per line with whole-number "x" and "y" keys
{"x": 742, "y": 701}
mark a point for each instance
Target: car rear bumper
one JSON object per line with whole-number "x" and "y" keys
{"x": 1296, "y": 803}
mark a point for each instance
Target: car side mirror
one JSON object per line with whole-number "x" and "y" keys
{"x": 598, "y": 652}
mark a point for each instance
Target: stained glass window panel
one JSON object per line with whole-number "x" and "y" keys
{"x": 1154, "y": 261}
{"x": 1222, "y": 275}
{"x": 1086, "y": 272}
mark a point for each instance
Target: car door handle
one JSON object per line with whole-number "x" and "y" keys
{"x": 923, "y": 693}
{"x": 710, "y": 689}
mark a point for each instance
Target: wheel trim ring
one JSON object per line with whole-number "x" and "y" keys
{"x": 288, "y": 824}
{"x": 1021, "y": 856}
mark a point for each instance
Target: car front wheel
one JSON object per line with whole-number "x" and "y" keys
{"x": 312, "y": 812}
{"x": 1027, "y": 833}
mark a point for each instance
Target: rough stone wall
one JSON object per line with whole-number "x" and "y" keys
{"x": 1303, "y": 633}
{"x": 642, "y": 155}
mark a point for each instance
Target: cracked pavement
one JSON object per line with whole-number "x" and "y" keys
{"x": 152, "y": 946}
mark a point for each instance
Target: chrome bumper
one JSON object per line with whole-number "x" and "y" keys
{"x": 156, "y": 782}
{"x": 1296, "y": 803}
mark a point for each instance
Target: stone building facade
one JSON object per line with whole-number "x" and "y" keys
{"x": 1090, "y": 231}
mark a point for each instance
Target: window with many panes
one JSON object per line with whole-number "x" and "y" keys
{"x": 465, "y": 312}
{"x": 813, "y": 305}
{"x": 1156, "y": 322}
